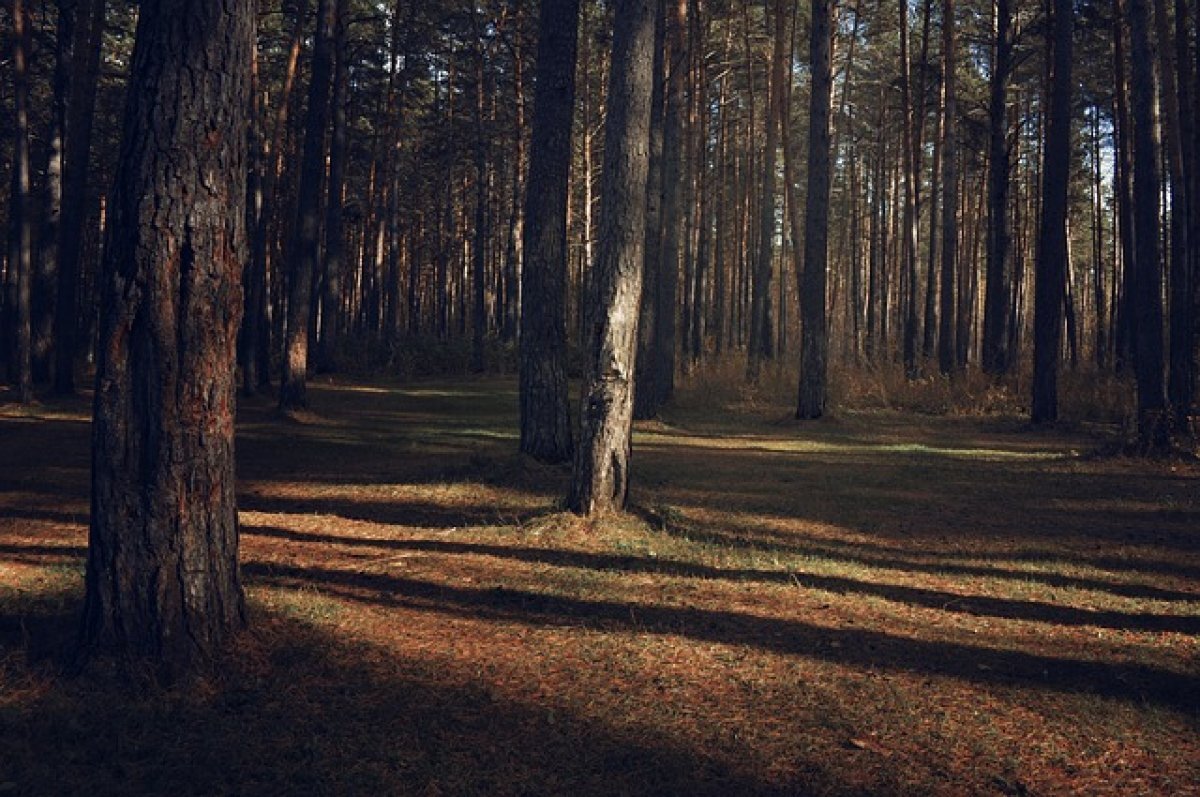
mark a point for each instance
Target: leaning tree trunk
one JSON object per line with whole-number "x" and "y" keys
{"x": 814, "y": 347}
{"x": 1147, "y": 298}
{"x": 162, "y": 571}
{"x": 545, "y": 408}
{"x": 600, "y": 482}
{"x": 1050, "y": 277}
{"x": 305, "y": 254}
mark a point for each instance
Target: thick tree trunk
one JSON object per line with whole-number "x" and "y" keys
{"x": 814, "y": 347}
{"x": 545, "y": 415}
{"x": 1051, "y": 270}
{"x": 162, "y": 572}
{"x": 600, "y": 482}
{"x": 306, "y": 250}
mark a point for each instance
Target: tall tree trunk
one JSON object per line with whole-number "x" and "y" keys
{"x": 645, "y": 399}
{"x": 306, "y": 251}
{"x": 995, "y": 309}
{"x": 946, "y": 343}
{"x": 545, "y": 415}
{"x": 1051, "y": 269}
{"x": 600, "y": 482}
{"x": 1123, "y": 133}
{"x": 662, "y": 372}
{"x": 908, "y": 240}
{"x": 814, "y": 346}
{"x": 1182, "y": 376}
{"x": 761, "y": 327}
{"x": 46, "y": 279}
{"x": 1147, "y": 298}
{"x": 162, "y": 571}
{"x": 479, "y": 247}
{"x": 85, "y": 68}
{"x": 335, "y": 227}
{"x": 20, "y": 250}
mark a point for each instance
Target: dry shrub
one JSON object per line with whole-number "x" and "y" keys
{"x": 1086, "y": 395}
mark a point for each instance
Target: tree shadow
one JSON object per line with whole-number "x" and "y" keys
{"x": 848, "y": 646}
{"x": 955, "y": 603}
{"x": 292, "y": 709}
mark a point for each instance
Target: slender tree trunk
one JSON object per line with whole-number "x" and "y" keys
{"x": 20, "y": 251}
{"x": 761, "y": 326}
{"x": 1182, "y": 375}
{"x": 335, "y": 227}
{"x": 1147, "y": 298}
{"x": 162, "y": 572}
{"x": 814, "y": 346}
{"x": 1051, "y": 270}
{"x": 995, "y": 311}
{"x": 85, "y": 68}
{"x": 665, "y": 346}
{"x": 645, "y": 399}
{"x": 479, "y": 247}
{"x": 545, "y": 417}
{"x": 946, "y": 342}
{"x": 305, "y": 253}
{"x": 600, "y": 482}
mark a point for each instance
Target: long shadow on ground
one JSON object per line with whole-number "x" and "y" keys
{"x": 295, "y": 710}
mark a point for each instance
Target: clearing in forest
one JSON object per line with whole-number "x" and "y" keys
{"x": 873, "y": 604}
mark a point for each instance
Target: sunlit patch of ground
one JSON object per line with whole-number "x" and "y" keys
{"x": 874, "y": 605}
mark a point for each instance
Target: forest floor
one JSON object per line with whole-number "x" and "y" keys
{"x": 874, "y": 604}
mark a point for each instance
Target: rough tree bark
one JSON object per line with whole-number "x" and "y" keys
{"x": 162, "y": 572}
{"x": 335, "y": 227}
{"x": 814, "y": 347}
{"x": 545, "y": 409}
{"x": 1051, "y": 268}
{"x": 600, "y": 482}
{"x": 306, "y": 251}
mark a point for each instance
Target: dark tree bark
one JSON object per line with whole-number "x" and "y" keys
{"x": 479, "y": 247}
{"x": 645, "y": 399}
{"x": 545, "y": 408}
{"x": 1182, "y": 376}
{"x": 162, "y": 571}
{"x": 814, "y": 347}
{"x": 1147, "y": 265}
{"x": 1051, "y": 268}
{"x": 306, "y": 251}
{"x": 908, "y": 241}
{"x": 46, "y": 279}
{"x": 761, "y": 346}
{"x": 661, "y": 372}
{"x": 946, "y": 330}
{"x": 85, "y": 69}
{"x": 600, "y": 482}
{"x": 995, "y": 305}
{"x": 335, "y": 227}
{"x": 20, "y": 249}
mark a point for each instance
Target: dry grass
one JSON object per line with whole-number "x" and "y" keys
{"x": 873, "y": 604}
